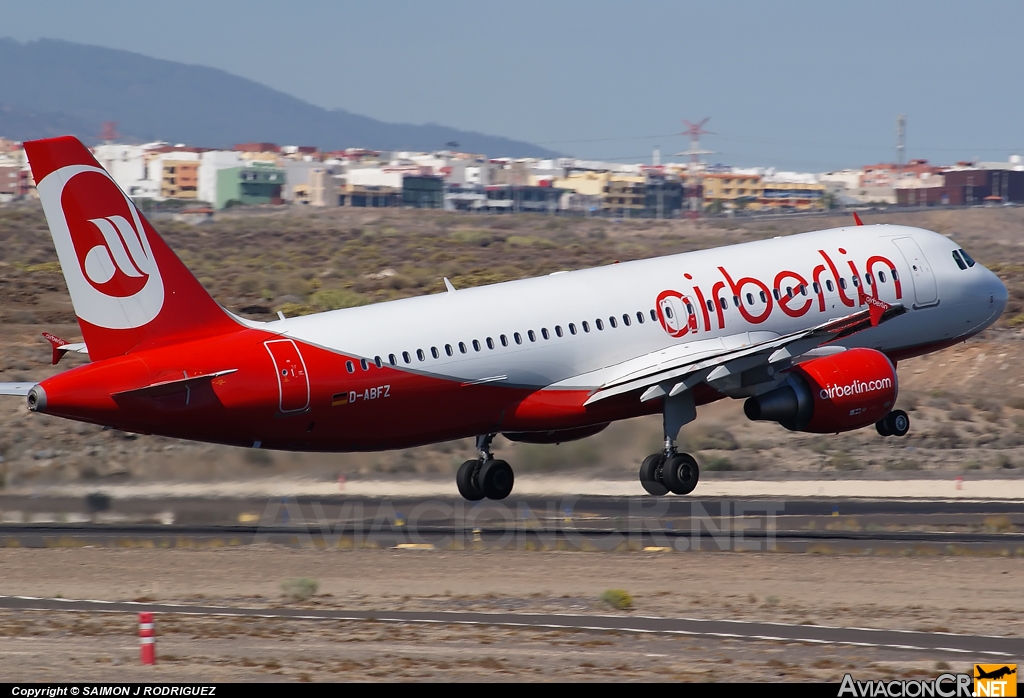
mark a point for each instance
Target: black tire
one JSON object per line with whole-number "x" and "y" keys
{"x": 882, "y": 426}
{"x": 650, "y": 475}
{"x": 467, "y": 481}
{"x": 680, "y": 473}
{"x": 898, "y": 423}
{"x": 496, "y": 479}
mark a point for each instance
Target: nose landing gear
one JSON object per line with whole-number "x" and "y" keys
{"x": 485, "y": 476}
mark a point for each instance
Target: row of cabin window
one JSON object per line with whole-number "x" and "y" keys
{"x": 627, "y": 320}
{"x": 791, "y": 291}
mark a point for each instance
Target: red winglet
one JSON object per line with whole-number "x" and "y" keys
{"x": 56, "y": 342}
{"x": 857, "y": 219}
{"x": 876, "y": 308}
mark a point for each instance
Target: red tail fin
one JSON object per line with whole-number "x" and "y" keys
{"x": 129, "y": 290}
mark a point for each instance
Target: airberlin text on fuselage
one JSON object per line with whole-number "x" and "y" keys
{"x": 685, "y": 312}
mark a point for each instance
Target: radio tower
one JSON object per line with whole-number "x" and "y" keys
{"x": 901, "y": 139}
{"x": 694, "y": 180}
{"x": 109, "y": 133}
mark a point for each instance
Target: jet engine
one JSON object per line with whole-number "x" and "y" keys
{"x": 834, "y": 393}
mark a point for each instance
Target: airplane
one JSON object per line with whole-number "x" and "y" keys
{"x": 994, "y": 674}
{"x": 807, "y": 329}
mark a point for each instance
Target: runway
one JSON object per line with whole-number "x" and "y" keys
{"x": 931, "y": 642}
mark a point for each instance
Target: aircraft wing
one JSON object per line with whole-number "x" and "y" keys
{"x": 20, "y": 389}
{"x": 662, "y": 373}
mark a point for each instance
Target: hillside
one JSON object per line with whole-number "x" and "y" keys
{"x": 51, "y": 86}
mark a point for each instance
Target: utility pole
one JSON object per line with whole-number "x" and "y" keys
{"x": 901, "y": 140}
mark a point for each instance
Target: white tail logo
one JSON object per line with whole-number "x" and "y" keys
{"x": 114, "y": 284}
{"x": 123, "y": 244}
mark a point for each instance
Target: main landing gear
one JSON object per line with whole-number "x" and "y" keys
{"x": 485, "y": 476}
{"x": 896, "y": 423}
{"x": 670, "y": 471}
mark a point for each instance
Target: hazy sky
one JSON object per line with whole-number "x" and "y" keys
{"x": 802, "y": 85}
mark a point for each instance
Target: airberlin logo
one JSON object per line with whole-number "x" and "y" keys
{"x": 792, "y": 292}
{"x": 831, "y": 392}
{"x": 103, "y": 249}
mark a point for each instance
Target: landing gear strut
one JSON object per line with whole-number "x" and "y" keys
{"x": 485, "y": 476}
{"x": 896, "y": 423}
{"x": 670, "y": 471}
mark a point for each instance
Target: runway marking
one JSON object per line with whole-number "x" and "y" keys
{"x": 523, "y": 620}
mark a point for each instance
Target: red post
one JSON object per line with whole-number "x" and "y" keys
{"x": 147, "y": 642}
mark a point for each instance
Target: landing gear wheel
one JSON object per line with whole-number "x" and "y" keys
{"x": 467, "y": 483}
{"x": 496, "y": 479}
{"x": 898, "y": 423}
{"x": 680, "y": 473}
{"x": 650, "y": 475}
{"x": 882, "y": 427}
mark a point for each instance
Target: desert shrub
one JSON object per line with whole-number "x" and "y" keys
{"x": 708, "y": 438}
{"x": 960, "y": 414}
{"x": 902, "y": 465}
{"x": 618, "y": 598}
{"x": 845, "y": 462}
{"x": 299, "y": 589}
{"x": 335, "y": 298}
{"x": 719, "y": 464}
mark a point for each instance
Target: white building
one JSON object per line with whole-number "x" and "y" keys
{"x": 210, "y": 163}
{"x": 127, "y": 164}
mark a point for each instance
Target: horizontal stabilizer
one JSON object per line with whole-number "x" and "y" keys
{"x": 169, "y": 387}
{"x": 62, "y": 347}
{"x": 20, "y": 389}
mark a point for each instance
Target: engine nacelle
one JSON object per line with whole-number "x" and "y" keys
{"x": 842, "y": 392}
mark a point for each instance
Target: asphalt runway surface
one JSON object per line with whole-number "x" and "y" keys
{"x": 931, "y": 642}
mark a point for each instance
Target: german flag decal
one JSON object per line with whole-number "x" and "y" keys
{"x": 339, "y": 399}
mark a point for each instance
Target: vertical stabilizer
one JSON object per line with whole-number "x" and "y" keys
{"x": 129, "y": 290}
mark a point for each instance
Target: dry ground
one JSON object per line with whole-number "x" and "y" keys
{"x": 935, "y": 594}
{"x": 965, "y": 402}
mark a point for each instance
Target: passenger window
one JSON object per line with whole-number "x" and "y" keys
{"x": 789, "y": 291}
{"x": 959, "y": 260}
{"x": 611, "y": 321}
{"x": 710, "y": 304}
{"x": 544, "y": 333}
{"x": 476, "y": 345}
{"x": 775, "y": 292}
{"x": 750, "y": 299}
{"x": 391, "y": 358}
{"x": 448, "y": 350}
{"x": 350, "y": 366}
{"x": 724, "y": 303}
{"x": 586, "y": 326}
{"x": 518, "y": 337}
{"x": 764, "y": 298}
{"x": 462, "y": 347}
{"x": 490, "y": 343}
{"x": 435, "y": 353}
{"x": 406, "y": 357}
{"x": 867, "y": 279}
{"x": 668, "y": 311}
{"x": 639, "y": 317}
{"x": 625, "y": 319}
{"x": 967, "y": 258}
{"x": 736, "y": 301}
{"x": 504, "y": 340}
{"x": 895, "y": 275}
{"x": 829, "y": 286}
{"x": 558, "y": 330}
{"x": 363, "y": 365}
{"x": 532, "y": 336}
{"x": 803, "y": 290}
{"x": 599, "y": 324}
{"x": 420, "y": 355}
{"x": 815, "y": 287}
{"x": 842, "y": 283}
{"x": 572, "y": 328}
{"x": 689, "y": 308}
{"x": 881, "y": 276}
{"x": 377, "y": 360}
{"x": 654, "y": 315}
{"x": 856, "y": 282}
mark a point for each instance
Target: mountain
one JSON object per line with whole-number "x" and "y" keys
{"x": 49, "y": 87}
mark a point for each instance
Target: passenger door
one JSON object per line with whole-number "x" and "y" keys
{"x": 926, "y": 291}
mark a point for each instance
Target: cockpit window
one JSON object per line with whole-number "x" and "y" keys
{"x": 959, "y": 260}
{"x": 967, "y": 258}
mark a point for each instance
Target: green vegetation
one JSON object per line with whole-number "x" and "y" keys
{"x": 618, "y": 598}
{"x": 300, "y": 589}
